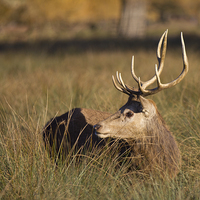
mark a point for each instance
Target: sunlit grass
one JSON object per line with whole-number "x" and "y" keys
{"x": 37, "y": 86}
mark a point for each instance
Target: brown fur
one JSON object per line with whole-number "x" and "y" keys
{"x": 156, "y": 151}
{"x": 152, "y": 147}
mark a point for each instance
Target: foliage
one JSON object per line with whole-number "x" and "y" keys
{"x": 82, "y": 11}
{"x": 73, "y": 11}
{"x": 176, "y": 9}
{"x": 4, "y": 11}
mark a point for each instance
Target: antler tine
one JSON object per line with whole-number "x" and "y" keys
{"x": 160, "y": 57}
{"x": 185, "y": 68}
{"x": 115, "y": 84}
{"x": 120, "y": 81}
{"x": 128, "y": 89}
{"x": 158, "y": 77}
{"x": 174, "y": 82}
{"x": 118, "y": 78}
{"x": 133, "y": 71}
{"x": 184, "y": 71}
{"x": 184, "y": 55}
{"x": 121, "y": 89}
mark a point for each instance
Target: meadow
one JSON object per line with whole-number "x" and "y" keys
{"x": 37, "y": 85}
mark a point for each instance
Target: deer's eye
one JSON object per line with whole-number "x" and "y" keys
{"x": 129, "y": 114}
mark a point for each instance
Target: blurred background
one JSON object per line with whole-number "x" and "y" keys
{"x": 30, "y": 20}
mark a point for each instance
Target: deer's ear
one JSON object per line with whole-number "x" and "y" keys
{"x": 146, "y": 105}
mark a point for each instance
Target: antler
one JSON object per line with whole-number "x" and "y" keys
{"x": 158, "y": 69}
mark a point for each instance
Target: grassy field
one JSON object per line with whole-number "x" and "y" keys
{"x": 37, "y": 85}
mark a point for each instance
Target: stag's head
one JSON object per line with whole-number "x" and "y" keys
{"x": 136, "y": 116}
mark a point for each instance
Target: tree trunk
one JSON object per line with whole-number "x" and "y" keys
{"x": 133, "y": 18}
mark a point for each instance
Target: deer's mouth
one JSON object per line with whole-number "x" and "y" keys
{"x": 100, "y": 132}
{"x": 102, "y": 135}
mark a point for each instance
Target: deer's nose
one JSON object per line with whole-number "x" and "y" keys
{"x": 97, "y": 126}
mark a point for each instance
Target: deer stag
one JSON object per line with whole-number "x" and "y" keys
{"x": 138, "y": 123}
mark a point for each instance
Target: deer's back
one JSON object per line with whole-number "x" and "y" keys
{"x": 72, "y": 128}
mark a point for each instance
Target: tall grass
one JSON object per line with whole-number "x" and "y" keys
{"x": 38, "y": 86}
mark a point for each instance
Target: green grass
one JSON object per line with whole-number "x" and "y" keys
{"x": 37, "y": 86}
